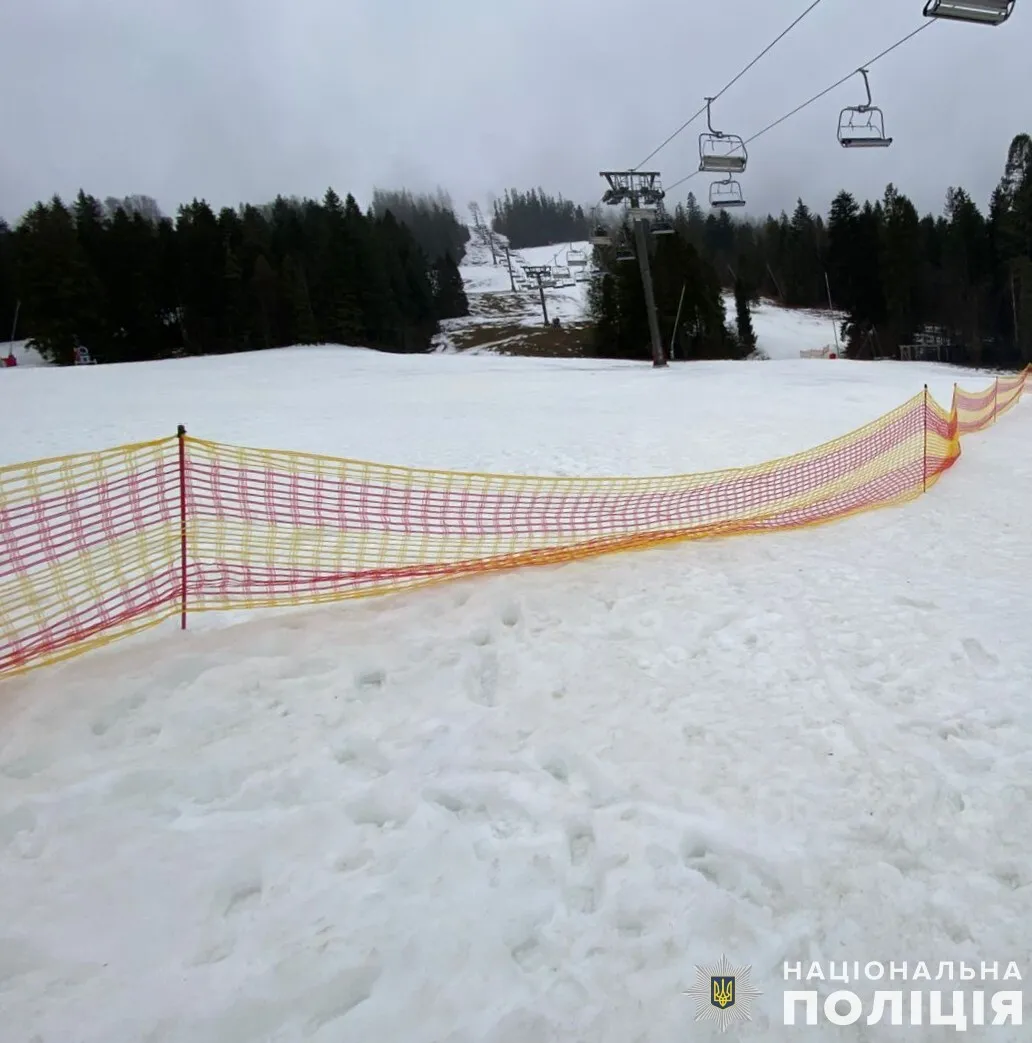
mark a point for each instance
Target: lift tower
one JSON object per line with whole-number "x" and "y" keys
{"x": 640, "y": 192}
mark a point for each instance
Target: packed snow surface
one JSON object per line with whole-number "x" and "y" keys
{"x": 521, "y": 809}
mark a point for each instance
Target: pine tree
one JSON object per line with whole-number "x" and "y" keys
{"x": 450, "y": 300}
{"x": 743, "y": 318}
{"x": 302, "y": 326}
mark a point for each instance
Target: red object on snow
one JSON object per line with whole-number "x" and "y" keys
{"x": 10, "y": 360}
{"x": 832, "y": 355}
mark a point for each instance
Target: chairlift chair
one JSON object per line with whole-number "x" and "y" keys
{"x": 625, "y": 253}
{"x": 661, "y": 224}
{"x": 576, "y": 258}
{"x": 863, "y": 126}
{"x": 600, "y": 235}
{"x": 726, "y": 194}
{"x": 721, "y": 153}
{"x": 978, "y": 12}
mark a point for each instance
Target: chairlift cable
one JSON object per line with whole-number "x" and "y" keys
{"x": 817, "y": 97}
{"x": 899, "y": 43}
{"x": 730, "y": 84}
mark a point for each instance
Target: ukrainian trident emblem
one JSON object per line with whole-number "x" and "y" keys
{"x": 723, "y": 993}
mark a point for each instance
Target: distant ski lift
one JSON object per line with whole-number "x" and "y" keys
{"x": 979, "y": 12}
{"x": 661, "y": 224}
{"x": 576, "y": 258}
{"x": 625, "y": 253}
{"x": 600, "y": 236}
{"x": 726, "y": 193}
{"x": 863, "y": 126}
{"x": 721, "y": 153}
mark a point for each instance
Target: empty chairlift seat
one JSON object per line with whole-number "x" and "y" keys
{"x": 726, "y": 194}
{"x": 863, "y": 126}
{"x": 979, "y": 12}
{"x": 721, "y": 153}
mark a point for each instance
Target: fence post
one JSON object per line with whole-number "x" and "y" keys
{"x": 181, "y": 435}
{"x": 924, "y": 451}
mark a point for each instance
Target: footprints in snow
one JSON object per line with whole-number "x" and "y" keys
{"x": 580, "y": 838}
{"x": 482, "y": 675}
{"x": 977, "y": 654}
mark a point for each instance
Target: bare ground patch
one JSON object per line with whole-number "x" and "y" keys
{"x": 507, "y": 339}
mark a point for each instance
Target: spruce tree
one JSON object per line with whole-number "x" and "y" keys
{"x": 743, "y": 318}
{"x": 450, "y": 300}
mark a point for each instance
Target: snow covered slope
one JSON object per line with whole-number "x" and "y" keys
{"x": 498, "y": 317}
{"x": 524, "y": 807}
{"x": 782, "y": 333}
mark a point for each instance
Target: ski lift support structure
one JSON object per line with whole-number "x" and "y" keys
{"x": 539, "y": 272}
{"x": 641, "y": 193}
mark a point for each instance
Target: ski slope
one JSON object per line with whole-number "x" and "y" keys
{"x": 522, "y": 808}
{"x": 781, "y": 333}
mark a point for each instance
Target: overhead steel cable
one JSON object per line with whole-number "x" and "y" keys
{"x": 766, "y": 50}
{"x": 817, "y": 97}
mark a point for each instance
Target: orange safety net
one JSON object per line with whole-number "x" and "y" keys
{"x": 101, "y": 545}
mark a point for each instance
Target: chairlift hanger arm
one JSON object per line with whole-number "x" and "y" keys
{"x": 709, "y": 120}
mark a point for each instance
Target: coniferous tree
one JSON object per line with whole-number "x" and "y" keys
{"x": 743, "y": 317}
{"x": 616, "y": 304}
{"x": 129, "y": 284}
{"x": 430, "y": 219}
{"x": 536, "y": 218}
{"x": 450, "y": 296}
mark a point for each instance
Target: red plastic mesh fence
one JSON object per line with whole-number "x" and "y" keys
{"x": 92, "y": 546}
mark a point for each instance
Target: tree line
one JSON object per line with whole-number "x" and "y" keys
{"x": 962, "y": 279}
{"x": 128, "y": 284}
{"x": 535, "y": 218}
{"x": 429, "y": 217}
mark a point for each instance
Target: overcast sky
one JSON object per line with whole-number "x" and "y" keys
{"x": 238, "y": 100}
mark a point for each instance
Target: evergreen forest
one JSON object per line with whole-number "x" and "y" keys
{"x": 128, "y": 284}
